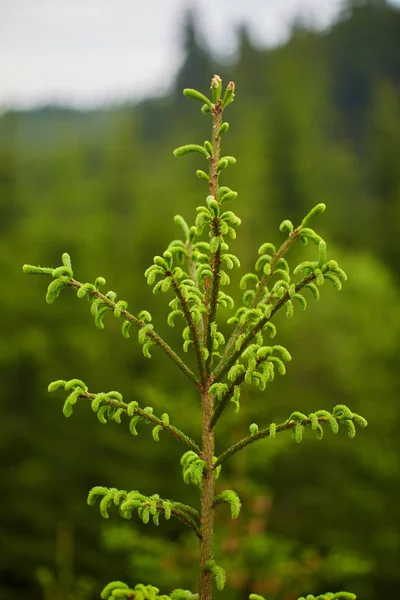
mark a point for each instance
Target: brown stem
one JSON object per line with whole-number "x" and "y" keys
{"x": 207, "y": 499}
{"x": 210, "y": 300}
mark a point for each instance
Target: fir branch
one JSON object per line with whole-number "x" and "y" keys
{"x": 292, "y": 237}
{"x": 145, "y": 505}
{"x": 229, "y": 359}
{"x": 189, "y": 233}
{"x": 115, "y": 400}
{"x": 151, "y": 333}
{"x": 191, "y": 263}
{"x": 222, "y": 404}
{"x": 258, "y": 297}
{"x": 108, "y": 304}
{"x": 192, "y": 326}
{"x": 185, "y": 518}
{"x": 340, "y": 415}
{"x": 120, "y": 590}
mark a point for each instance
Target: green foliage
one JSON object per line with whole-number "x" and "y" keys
{"x": 146, "y": 506}
{"x": 110, "y": 406}
{"x": 193, "y": 468}
{"x": 118, "y": 589}
{"x": 341, "y": 415}
{"x": 218, "y": 574}
{"x": 230, "y": 497}
{"x": 193, "y": 270}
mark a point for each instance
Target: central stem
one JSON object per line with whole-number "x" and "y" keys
{"x": 211, "y": 300}
{"x": 207, "y": 499}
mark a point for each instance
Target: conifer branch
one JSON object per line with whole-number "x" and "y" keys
{"x": 120, "y": 590}
{"x": 191, "y": 264}
{"x": 151, "y": 333}
{"x": 271, "y": 266}
{"x": 258, "y": 296}
{"x": 223, "y": 403}
{"x": 147, "y": 506}
{"x": 64, "y": 278}
{"x": 292, "y": 237}
{"x": 280, "y": 253}
{"x": 114, "y": 401}
{"x": 341, "y": 414}
{"x": 187, "y": 520}
{"x": 229, "y": 359}
{"x": 192, "y": 327}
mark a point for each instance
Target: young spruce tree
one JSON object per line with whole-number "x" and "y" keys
{"x": 193, "y": 271}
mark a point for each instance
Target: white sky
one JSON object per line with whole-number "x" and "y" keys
{"x": 86, "y": 52}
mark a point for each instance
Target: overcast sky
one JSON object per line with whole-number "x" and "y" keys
{"x": 87, "y": 52}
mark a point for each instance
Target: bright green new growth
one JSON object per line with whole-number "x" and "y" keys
{"x": 193, "y": 270}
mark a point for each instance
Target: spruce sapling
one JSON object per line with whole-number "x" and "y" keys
{"x": 192, "y": 271}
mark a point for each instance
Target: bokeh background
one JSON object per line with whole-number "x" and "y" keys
{"x": 92, "y": 108}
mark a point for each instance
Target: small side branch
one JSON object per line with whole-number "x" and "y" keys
{"x": 222, "y": 404}
{"x": 341, "y": 415}
{"x": 139, "y": 324}
{"x": 228, "y": 361}
{"x": 146, "y": 416}
{"x": 250, "y": 439}
{"x": 186, "y": 518}
{"x": 292, "y": 237}
{"x": 146, "y": 506}
{"x": 192, "y": 326}
{"x": 258, "y": 297}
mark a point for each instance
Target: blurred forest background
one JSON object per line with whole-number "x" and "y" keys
{"x": 315, "y": 120}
